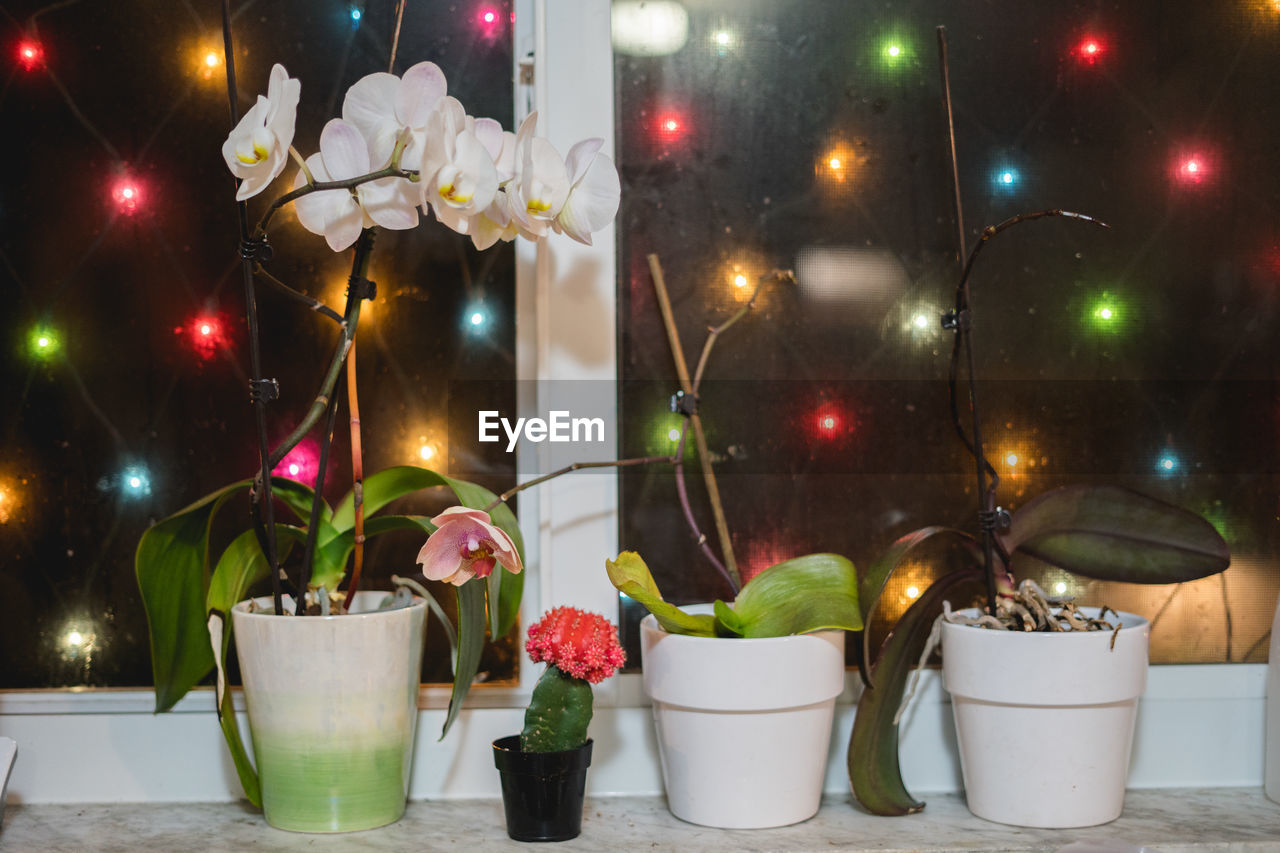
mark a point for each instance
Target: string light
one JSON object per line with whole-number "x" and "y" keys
{"x": 356, "y": 15}
{"x": 739, "y": 280}
{"x": 913, "y": 592}
{"x": 135, "y": 482}
{"x": 1167, "y": 465}
{"x": 829, "y": 422}
{"x": 1090, "y": 49}
{"x": 489, "y": 22}
{"x": 1059, "y": 588}
{"x": 836, "y": 165}
{"x": 1107, "y": 313}
{"x": 127, "y": 195}
{"x": 1193, "y": 168}
{"x": 205, "y": 334}
{"x": 30, "y": 54}
{"x": 43, "y": 343}
{"x": 1006, "y": 178}
{"x": 920, "y": 321}
{"x": 673, "y": 434}
{"x": 1011, "y": 460}
{"x": 894, "y": 52}
{"x": 476, "y": 319}
{"x": 723, "y": 40}
{"x": 302, "y": 463}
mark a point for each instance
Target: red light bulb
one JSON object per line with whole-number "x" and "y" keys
{"x": 205, "y": 335}
{"x": 30, "y": 54}
{"x": 127, "y": 195}
{"x": 1089, "y": 49}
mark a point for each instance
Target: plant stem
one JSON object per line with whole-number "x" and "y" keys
{"x": 297, "y": 295}
{"x": 576, "y": 466}
{"x": 357, "y": 479}
{"x": 715, "y": 331}
{"x": 321, "y": 186}
{"x": 683, "y": 494}
{"x": 261, "y": 507}
{"x": 700, "y": 439}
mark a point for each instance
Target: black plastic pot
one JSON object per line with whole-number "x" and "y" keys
{"x": 542, "y": 792}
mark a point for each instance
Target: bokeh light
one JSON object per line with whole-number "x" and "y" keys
{"x": 204, "y": 334}
{"x": 43, "y": 343}
{"x": 1107, "y": 313}
{"x": 302, "y": 463}
{"x": 127, "y": 195}
{"x": 1090, "y": 49}
{"x": 1006, "y": 178}
{"x": 30, "y": 54}
{"x": 1167, "y": 465}
{"x": 135, "y": 481}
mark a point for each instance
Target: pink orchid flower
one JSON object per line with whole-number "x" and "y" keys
{"x": 466, "y": 545}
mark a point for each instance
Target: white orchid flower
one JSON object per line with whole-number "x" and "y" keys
{"x": 594, "y": 191}
{"x": 381, "y": 105}
{"x": 458, "y": 179}
{"x": 538, "y": 192}
{"x": 258, "y": 146}
{"x": 494, "y": 223}
{"x": 339, "y": 215}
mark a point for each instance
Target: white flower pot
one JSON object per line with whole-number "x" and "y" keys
{"x": 1271, "y": 746}
{"x": 743, "y": 726}
{"x": 1045, "y": 721}
{"x": 332, "y": 704}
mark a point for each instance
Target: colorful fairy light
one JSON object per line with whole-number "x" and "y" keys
{"x": 356, "y": 14}
{"x": 1090, "y": 49}
{"x": 135, "y": 482}
{"x": 673, "y": 434}
{"x": 205, "y": 334}
{"x": 894, "y": 51}
{"x": 302, "y": 463}
{"x": 489, "y": 22}
{"x": 920, "y": 321}
{"x": 1167, "y": 465}
{"x": 127, "y": 195}
{"x": 43, "y": 343}
{"x": 1059, "y": 588}
{"x": 829, "y": 422}
{"x": 30, "y": 54}
{"x": 1006, "y": 178}
{"x": 1193, "y": 168}
{"x": 740, "y": 280}
{"x": 1107, "y": 313}
{"x": 476, "y": 319}
{"x": 913, "y": 592}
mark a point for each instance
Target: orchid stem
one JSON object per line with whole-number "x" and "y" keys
{"x": 576, "y": 466}
{"x": 699, "y": 437}
{"x": 297, "y": 295}
{"x": 357, "y": 478}
{"x": 321, "y": 186}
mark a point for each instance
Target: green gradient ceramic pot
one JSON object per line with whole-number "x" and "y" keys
{"x": 332, "y": 705}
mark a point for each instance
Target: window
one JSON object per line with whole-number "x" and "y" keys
{"x": 126, "y": 375}
{"x": 810, "y": 136}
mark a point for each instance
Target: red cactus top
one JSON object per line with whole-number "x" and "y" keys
{"x": 584, "y": 645}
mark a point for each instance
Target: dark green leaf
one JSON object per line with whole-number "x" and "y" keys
{"x": 171, "y": 564}
{"x": 874, "y": 773}
{"x": 810, "y": 593}
{"x": 632, "y": 578}
{"x": 878, "y": 574}
{"x": 471, "y": 624}
{"x": 298, "y": 497}
{"x": 1112, "y": 533}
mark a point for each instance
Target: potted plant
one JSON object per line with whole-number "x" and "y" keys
{"x": 331, "y": 677}
{"x": 544, "y": 768}
{"x": 744, "y": 693}
{"x": 1026, "y": 666}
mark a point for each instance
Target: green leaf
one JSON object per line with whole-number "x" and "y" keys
{"x": 297, "y": 496}
{"x": 878, "y": 574}
{"x": 1112, "y": 533}
{"x": 728, "y": 623}
{"x": 471, "y": 624}
{"x": 243, "y": 564}
{"x": 632, "y": 578}
{"x": 810, "y": 593}
{"x": 171, "y": 565}
{"x": 874, "y": 772}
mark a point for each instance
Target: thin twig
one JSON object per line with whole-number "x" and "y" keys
{"x": 683, "y": 494}
{"x": 715, "y": 331}
{"x": 699, "y": 437}
{"x": 576, "y": 466}
{"x": 297, "y": 295}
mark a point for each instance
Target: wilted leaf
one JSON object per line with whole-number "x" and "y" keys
{"x": 632, "y": 578}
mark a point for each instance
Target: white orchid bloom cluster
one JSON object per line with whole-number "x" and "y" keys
{"x": 477, "y": 179}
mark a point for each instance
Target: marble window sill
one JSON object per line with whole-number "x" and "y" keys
{"x": 1169, "y": 820}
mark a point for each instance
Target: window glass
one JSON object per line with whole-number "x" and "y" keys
{"x": 126, "y": 369}
{"x": 811, "y": 136}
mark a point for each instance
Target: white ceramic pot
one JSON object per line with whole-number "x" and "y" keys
{"x": 1045, "y": 721}
{"x": 1271, "y": 760}
{"x": 743, "y": 726}
{"x": 332, "y": 704}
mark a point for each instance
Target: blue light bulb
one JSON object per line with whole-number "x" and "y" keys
{"x": 356, "y": 14}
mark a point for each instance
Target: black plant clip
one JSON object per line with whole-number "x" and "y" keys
{"x": 955, "y": 320}
{"x": 996, "y": 519}
{"x": 257, "y": 250}
{"x": 684, "y": 404}
{"x": 263, "y": 390}
{"x": 362, "y": 288}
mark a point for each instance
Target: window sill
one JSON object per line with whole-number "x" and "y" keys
{"x": 1236, "y": 819}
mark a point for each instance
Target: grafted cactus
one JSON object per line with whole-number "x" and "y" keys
{"x": 580, "y": 649}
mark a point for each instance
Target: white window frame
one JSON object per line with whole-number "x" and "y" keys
{"x": 106, "y": 745}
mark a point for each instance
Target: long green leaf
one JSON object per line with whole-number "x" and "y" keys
{"x": 631, "y": 576}
{"x": 874, "y": 773}
{"x": 471, "y": 626}
{"x": 171, "y": 565}
{"x": 1112, "y": 533}
{"x": 811, "y": 593}
{"x": 878, "y": 573}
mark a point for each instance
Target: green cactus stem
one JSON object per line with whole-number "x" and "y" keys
{"x": 558, "y": 713}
